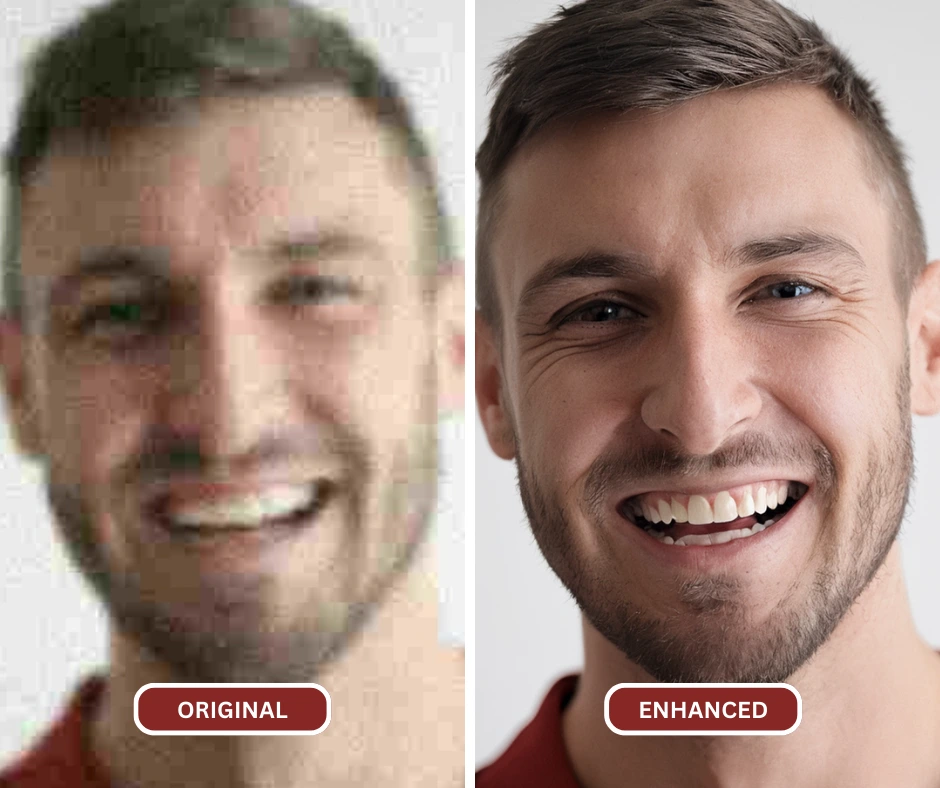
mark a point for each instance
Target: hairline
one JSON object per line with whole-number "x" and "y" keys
{"x": 876, "y": 168}
{"x": 428, "y": 202}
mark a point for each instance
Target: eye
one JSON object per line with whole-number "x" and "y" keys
{"x": 313, "y": 290}
{"x": 119, "y": 319}
{"x": 791, "y": 290}
{"x": 601, "y": 312}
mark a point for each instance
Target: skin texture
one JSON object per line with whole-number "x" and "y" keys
{"x": 262, "y": 321}
{"x": 687, "y": 371}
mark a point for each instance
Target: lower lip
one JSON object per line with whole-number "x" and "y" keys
{"x": 699, "y": 554}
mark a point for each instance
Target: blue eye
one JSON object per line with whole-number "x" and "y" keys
{"x": 791, "y": 290}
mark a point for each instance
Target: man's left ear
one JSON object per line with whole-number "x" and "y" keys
{"x": 923, "y": 326}
{"x": 450, "y": 340}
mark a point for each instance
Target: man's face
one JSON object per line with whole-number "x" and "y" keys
{"x": 700, "y": 317}
{"x": 228, "y": 371}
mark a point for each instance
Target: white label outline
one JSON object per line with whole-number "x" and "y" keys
{"x": 149, "y": 732}
{"x": 696, "y": 732}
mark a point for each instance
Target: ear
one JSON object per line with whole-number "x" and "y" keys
{"x": 451, "y": 332}
{"x": 21, "y": 404}
{"x": 923, "y": 326}
{"x": 493, "y": 409}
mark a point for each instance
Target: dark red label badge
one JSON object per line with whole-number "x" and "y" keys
{"x": 703, "y": 709}
{"x": 232, "y": 709}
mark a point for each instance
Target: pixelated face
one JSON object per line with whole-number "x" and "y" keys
{"x": 229, "y": 374}
{"x": 703, "y": 375}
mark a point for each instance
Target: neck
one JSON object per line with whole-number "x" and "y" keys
{"x": 397, "y": 696}
{"x": 871, "y": 713}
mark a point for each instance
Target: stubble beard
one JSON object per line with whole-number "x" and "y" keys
{"x": 228, "y": 634}
{"x": 709, "y": 636}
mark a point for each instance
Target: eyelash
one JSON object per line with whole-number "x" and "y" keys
{"x": 301, "y": 291}
{"x": 572, "y": 317}
{"x": 105, "y": 313}
{"x": 814, "y": 290}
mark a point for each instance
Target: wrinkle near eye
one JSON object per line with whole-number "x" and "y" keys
{"x": 534, "y": 363}
{"x": 858, "y": 325}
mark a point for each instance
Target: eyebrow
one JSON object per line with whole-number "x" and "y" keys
{"x": 590, "y": 265}
{"x": 804, "y": 243}
{"x": 608, "y": 265}
{"x": 308, "y": 246}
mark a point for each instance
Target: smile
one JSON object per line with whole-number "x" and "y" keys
{"x": 224, "y": 510}
{"x": 715, "y": 518}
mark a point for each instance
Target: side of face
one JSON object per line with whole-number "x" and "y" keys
{"x": 228, "y": 370}
{"x": 697, "y": 304}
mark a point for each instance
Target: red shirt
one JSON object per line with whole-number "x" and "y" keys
{"x": 538, "y": 755}
{"x": 63, "y": 758}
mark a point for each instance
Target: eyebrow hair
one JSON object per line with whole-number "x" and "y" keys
{"x": 319, "y": 244}
{"x": 590, "y": 265}
{"x": 803, "y": 242}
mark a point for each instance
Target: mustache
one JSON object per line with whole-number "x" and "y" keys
{"x": 166, "y": 456}
{"x": 622, "y": 467}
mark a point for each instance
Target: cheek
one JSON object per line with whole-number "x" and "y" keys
{"x": 391, "y": 381}
{"x": 94, "y": 416}
{"x": 323, "y": 376}
{"x": 347, "y": 372}
{"x": 563, "y": 423}
{"x": 843, "y": 388}
{"x": 392, "y": 406}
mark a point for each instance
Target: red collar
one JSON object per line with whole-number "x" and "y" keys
{"x": 538, "y": 755}
{"x": 63, "y": 758}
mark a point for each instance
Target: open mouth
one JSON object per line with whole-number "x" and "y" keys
{"x": 276, "y": 506}
{"x": 714, "y": 519}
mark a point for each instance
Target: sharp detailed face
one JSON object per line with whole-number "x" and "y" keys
{"x": 229, "y": 356}
{"x": 705, "y": 374}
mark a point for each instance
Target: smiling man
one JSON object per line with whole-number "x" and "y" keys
{"x": 229, "y": 322}
{"x": 705, "y": 315}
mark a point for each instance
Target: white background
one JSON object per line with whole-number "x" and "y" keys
{"x": 527, "y": 628}
{"x": 53, "y": 631}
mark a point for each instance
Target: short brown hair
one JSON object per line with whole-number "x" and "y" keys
{"x": 127, "y": 62}
{"x": 621, "y": 55}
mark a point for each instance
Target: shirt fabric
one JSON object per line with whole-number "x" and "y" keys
{"x": 537, "y": 756}
{"x": 64, "y": 758}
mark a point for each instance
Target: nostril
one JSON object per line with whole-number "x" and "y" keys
{"x": 700, "y": 411}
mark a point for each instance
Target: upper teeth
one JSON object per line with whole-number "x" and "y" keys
{"x": 723, "y": 508}
{"x": 249, "y": 510}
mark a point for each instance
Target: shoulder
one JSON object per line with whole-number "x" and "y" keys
{"x": 537, "y": 756}
{"x": 62, "y": 758}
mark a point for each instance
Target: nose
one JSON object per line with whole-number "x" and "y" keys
{"x": 226, "y": 382}
{"x": 703, "y": 391}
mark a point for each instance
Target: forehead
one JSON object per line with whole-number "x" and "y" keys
{"x": 687, "y": 184}
{"x": 232, "y": 171}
